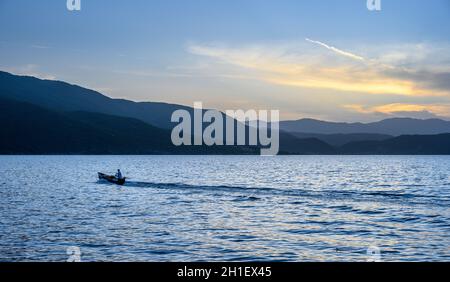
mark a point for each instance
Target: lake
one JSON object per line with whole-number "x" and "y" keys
{"x": 226, "y": 208}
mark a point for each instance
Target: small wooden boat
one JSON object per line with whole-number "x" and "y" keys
{"x": 111, "y": 178}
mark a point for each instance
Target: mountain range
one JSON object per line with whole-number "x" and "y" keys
{"x": 54, "y": 117}
{"x": 392, "y": 126}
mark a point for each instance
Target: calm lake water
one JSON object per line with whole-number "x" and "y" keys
{"x": 226, "y": 208}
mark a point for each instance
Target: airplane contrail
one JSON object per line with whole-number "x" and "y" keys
{"x": 334, "y": 49}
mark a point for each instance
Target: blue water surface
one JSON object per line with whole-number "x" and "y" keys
{"x": 226, "y": 208}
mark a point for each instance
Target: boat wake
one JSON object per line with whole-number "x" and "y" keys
{"x": 256, "y": 193}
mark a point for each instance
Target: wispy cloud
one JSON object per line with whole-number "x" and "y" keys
{"x": 300, "y": 65}
{"x": 395, "y": 109}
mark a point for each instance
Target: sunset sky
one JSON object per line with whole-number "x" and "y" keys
{"x": 325, "y": 59}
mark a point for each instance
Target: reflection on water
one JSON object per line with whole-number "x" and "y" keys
{"x": 227, "y": 208}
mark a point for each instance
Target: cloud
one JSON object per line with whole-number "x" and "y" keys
{"x": 404, "y": 109}
{"x": 300, "y": 65}
{"x": 340, "y": 52}
{"x": 436, "y": 80}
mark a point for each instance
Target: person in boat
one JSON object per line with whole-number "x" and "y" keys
{"x": 119, "y": 174}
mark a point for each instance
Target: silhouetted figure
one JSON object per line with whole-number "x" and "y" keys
{"x": 119, "y": 174}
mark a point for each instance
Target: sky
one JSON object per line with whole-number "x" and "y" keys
{"x": 324, "y": 59}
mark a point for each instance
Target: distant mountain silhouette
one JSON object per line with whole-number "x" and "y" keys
{"x": 289, "y": 144}
{"x": 80, "y": 104}
{"x": 52, "y": 117}
{"x": 61, "y": 96}
{"x": 393, "y": 126}
{"x": 342, "y": 139}
{"x": 64, "y": 97}
{"x": 30, "y": 129}
{"x": 402, "y": 145}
